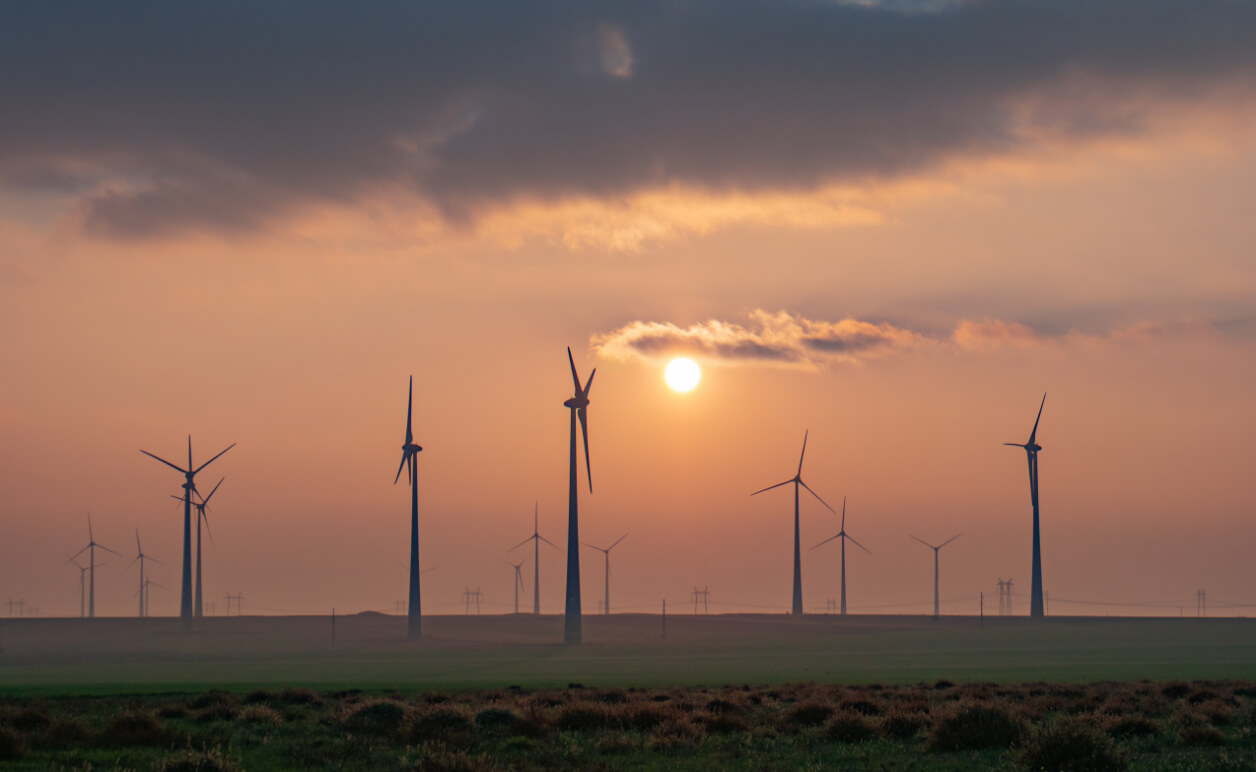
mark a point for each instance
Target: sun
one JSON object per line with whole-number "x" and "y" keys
{"x": 682, "y": 374}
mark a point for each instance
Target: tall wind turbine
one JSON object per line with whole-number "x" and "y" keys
{"x": 536, "y": 538}
{"x": 606, "y": 605}
{"x": 410, "y": 463}
{"x": 844, "y": 537}
{"x": 90, "y": 549}
{"x": 141, "y": 557}
{"x": 579, "y": 405}
{"x": 1036, "y": 608}
{"x": 518, "y": 578}
{"x": 201, "y": 517}
{"x": 936, "y": 549}
{"x": 189, "y": 486}
{"x": 797, "y": 481}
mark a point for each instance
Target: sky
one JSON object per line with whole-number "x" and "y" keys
{"x": 890, "y": 226}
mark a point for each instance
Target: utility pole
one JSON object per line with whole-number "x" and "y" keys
{"x": 238, "y": 599}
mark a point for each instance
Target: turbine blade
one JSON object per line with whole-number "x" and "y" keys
{"x": 138, "y": 548}
{"x": 106, "y": 549}
{"x": 405, "y": 456}
{"x": 843, "y": 514}
{"x": 410, "y": 412}
{"x": 212, "y": 460}
{"x": 826, "y": 541}
{"x": 1036, "y": 420}
{"x": 575, "y": 379}
{"x": 592, "y": 547}
{"x": 813, "y": 493}
{"x": 770, "y": 487}
{"x": 617, "y": 541}
{"x": 804, "y": 450}
{"x": 547, "y": 541}
{"x": 205, "y": 518}
{"x": 520, "y": 544}
{"x": 205, "y": 501}
{"x": 927, "y": 544}
{"x": 584, "y": 430}
{"x": 190, "y": 452}
{"x": 90, "y": 536}
{"x": 948, "y": 541}
{"x": 1017, "y": 445}
{"x": 71, "y": 559}
{"x": 857, "y": 544}
{"x": 164, "y": 461}
{"x": 588, "y": 384}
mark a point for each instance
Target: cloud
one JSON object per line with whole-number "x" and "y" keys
{"x": 783, "y": 339}
{"x": 225, "y": 115}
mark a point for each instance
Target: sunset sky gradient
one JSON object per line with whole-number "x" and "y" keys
{"x": 894, "y": 225}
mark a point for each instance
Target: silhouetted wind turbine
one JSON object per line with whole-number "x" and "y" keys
{"x": 189, "y": 486}
{"x": 1031, "y": 452}
{"x": 579, "y": 405}
{"x": 82, "y": 584}
{"x": 844, "y": 537}
{"x": 90, "y": 549}
{"x": 147, "y": 591}
{"x": 797, "y": 481}
{"x": 536, "y": 538}
{"x": 410, "y": 462}
{"x": 518, "y": 578}
{"x": 606, "y": 605}
{"x": 200, "y": 517}
{"x": 141, "y": 557}
{"x": 935, "y": 566}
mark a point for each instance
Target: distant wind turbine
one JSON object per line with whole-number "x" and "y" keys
{"x": 146, "y": 591}
{"x": 518, "y": 578}
{"x": 410, "y": 462}
{"x": 1036, "y": 608}
{"x": 189, "y": 487}
{"x": 82, "y": 584}
{"x": 579, "y": 405}
{"x": 201, "y": 517}
{"x": 536, "y": 538}
{"x": 90, "y": 549}
{"x": 844, "y": 537}
{"x": 797, "y": 481}
{"x": 936, "y": 549}
{"x": 606, "y": 605}
{"x": 140, "y": 557}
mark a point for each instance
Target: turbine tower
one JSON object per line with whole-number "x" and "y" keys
{"x": 1036, "y": 608}
{"x": 82, "y": 584}
{"x": 189, "y": 486}
{"x": 146, "y": 591}
{"x": 938, "y": 548}
{"x": 844, "y": 537}
{"x": 537, "y": 538}
{"x": 90, "y": 549}
{"x": 200, "y": 517}
{"x": 606, "y": 605}
{"x": 579, "y": 405}
{"x": 797, "y": 481}
{"x": 141, "y": 557}
{"x": 518, "y": 578}
{"x": 410, "y": 462}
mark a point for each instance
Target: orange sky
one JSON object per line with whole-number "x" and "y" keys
{"x": 910, "y": 316}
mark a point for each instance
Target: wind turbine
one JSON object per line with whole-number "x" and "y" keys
{"x": 518, "y": 578}
{"x": 146, "y": 591}
{"x": 844, "y": 537}
{"x": 202, "y": 518}
{"x": 606, "y": 606}
{"x": 935, "y": 566}
{"x": 82, "y": 584}
{"x": 1036, "y": 608}
{"x": 579, "y": 405}
{"x": 797, "y": 481}
{"x": 410, "y": 463}
{"x": 536, "y": 538}
{"x": 189, "y": 485}
{"x": 90, "y": 549}
{"x": 141, "y": 557}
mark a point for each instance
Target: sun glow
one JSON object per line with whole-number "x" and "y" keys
{"x": 682, "y": 374}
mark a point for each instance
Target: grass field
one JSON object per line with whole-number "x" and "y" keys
{"x": 75, "y": 656}
{"x": 740, "y": 692}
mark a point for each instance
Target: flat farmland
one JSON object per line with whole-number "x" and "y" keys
{"x": 369, "y": 651}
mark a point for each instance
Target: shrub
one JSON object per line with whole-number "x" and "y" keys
{"x": 66, "y": 733}
{"x": 12, "y": 744}
{"x": 173, "y": 710}
{"x": 299, "y": 697}
{"x": 1126, "y": 727}
{"x": 223, "y": 711}
{"x": 645, "y": 717}
{"x": 1175, "y": 690}
{"x": 211, "y": 699}
{"x": 376, "y": 717}
{"x": 973, "y": 727}
{"x": 495, "y": 720}
{"x": 1071, "y": 746}
{"x": 440, "y": 759}
{"x": 584, "y": 717}
{"x": 134, "y": 728}
{"x": 903, "y": 724}
{"x": 807, "y": 714}
{"x": 864, "y": 707}
{"x": 1200, "y": 734}
{"x": 29, "y": 719}
{"x": 611, "y": 697}
{"x": 444, "y": 723}
{"x": 727, "y": 723}
{"x": 849, "y": 726}
{"x": 189, "y": 760}
{"x": 261, "y": 714}
{"x": 720, "y": 705}
{"x": 260, "y": 697}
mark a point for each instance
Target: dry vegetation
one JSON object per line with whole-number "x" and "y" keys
{"x": 1037, "y": 726}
